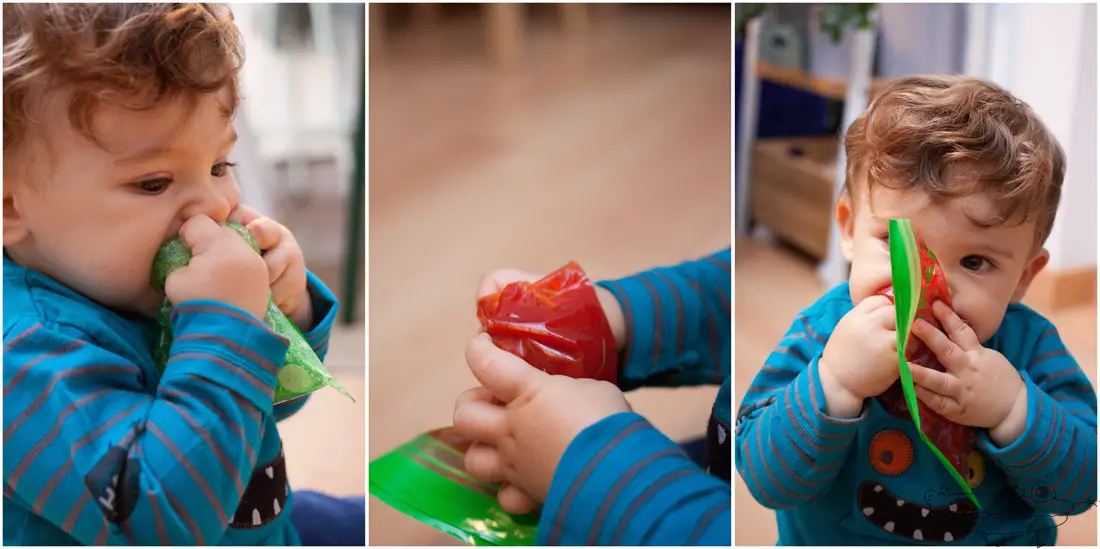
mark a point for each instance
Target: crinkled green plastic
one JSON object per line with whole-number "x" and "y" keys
{"x": 906, "y": 276}
{"x": 302, "y": 371}
{"x": 425, "y": 479}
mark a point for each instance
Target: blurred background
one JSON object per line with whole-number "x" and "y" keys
{"x": 300, "y": 156}
{"x": 803, "y": 72}
{"x": 527, "y": 136}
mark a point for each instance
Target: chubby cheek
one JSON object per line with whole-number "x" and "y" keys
{"x": 983, "y": 315}
{"x": 870, "y": 275}
{"x": 119, "y": 275}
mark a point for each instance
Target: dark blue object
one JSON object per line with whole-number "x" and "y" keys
{"x": 784, "y": 111}
{"x": 325, "y": 520}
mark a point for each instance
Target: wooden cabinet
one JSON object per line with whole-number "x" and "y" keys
{"x": 792, "y": 192}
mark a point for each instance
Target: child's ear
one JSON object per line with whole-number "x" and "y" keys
{"x": 1034, "y": 266}
{"x": 15, "y": 228}
{"x": 846, "y": 220}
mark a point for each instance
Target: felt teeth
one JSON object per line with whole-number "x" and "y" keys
{"x": 270, "y": 471}
{"x": 918, "y": 535}
{"x": 889, "y": 526}
{"x": 256, "y": 517}
{"x": 867, "y": 511}
{"x": 277, "y": 508}
{"x": 924, "y": 511}
{"x": 948, "y": 537}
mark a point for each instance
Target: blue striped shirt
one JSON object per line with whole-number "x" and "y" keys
{"x": 871, "y": 480}
{"x": 100, "y": 447}
{"x": 623, "y": 482}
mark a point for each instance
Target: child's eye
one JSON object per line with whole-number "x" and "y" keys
{"x": 154, "y": 186}
{"x": 221, "y": 169}
{"x": 976, "y": 263}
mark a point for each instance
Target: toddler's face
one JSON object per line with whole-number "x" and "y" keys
{"x": 987, "y": 268}
{"x": 93, "y": 217}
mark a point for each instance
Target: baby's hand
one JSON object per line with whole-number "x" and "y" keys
{"x": 215, "y": 251}
{"x": 527, "y": 416}
{"x": 286, "y": 266}
{"x": 860, "y": 360}
{"x": 980, "y": 388}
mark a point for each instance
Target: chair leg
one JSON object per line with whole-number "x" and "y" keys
{"x": 426, "y": 14}
{"x": 575, "y": 18}
{"x": 504, "y": 29}
{"x": 377, "y": 31}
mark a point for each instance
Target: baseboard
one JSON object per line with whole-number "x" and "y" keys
{"x": 1052, "y": 290}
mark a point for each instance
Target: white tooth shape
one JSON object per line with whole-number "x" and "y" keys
{"x": 889, "y": 527}
{"x": 924, "y": 511}
{"x": 277, "y": 508}
{"x": 867, "y": 511}
{"x": 270, "y": 472}
{"x": 255, "y": 517}
{"x": 721, "y": 435}
{"x": 878, "y": 488}
{"x": 948, "y": 537}
{"x": 918, "y": 535}
{"x": 954, "y": 508}
{"x": 900, "y": 503}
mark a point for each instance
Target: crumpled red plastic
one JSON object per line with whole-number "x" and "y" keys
{"x": 555, "y": 324}
{"x": 954, "y": 441}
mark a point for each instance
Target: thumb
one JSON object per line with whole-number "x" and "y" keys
{"x": 198, "y": 232}
{"x": 505, "y": 375}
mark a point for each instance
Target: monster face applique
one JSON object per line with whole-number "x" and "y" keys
{"x": 892, "y": 454}
{"x": 265, "y": 497}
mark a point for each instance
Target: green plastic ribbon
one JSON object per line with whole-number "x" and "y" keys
{"x": 426, "y": 480}
{"x": 905, "y": 269}
{"x": 302, "y": 371}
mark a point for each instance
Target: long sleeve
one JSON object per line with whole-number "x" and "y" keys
{"x": 788, "y": 449}
{"x": 89, "y": 449}
{"x": 677, "y": 323}
{"x": 1052, "y": 465}
{"x": 324, "y": 314}
{"x": 622, "y": 482}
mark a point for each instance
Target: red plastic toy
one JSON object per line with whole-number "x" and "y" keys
{"x": 555, "y": 324}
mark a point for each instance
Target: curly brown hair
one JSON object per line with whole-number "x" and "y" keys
{"x": 951, "y": 136}
{"x": 137, "y": 56}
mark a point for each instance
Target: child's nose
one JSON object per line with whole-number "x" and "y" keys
{"x": 213, "y": 204}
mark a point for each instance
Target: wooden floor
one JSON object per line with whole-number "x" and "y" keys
{"x": 771, "y": 286}
{"x": 614, "y": 153}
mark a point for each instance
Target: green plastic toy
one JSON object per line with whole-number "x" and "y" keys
{"x": 913, "y": 275}
{"x": 302, "y": 371}
{"x": 426, "y": 480}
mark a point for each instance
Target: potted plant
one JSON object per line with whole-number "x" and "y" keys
{"x": 827, "y": 41}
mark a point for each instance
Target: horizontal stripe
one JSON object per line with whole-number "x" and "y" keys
{"x": 58, "y": 376}
{"x": 26, "y": 368}
{"x": 233, "y": 346}
{"x": 232, "y": 368}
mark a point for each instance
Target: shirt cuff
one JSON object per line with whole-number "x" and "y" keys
{"x": 324, "y": 314}
{"x": 600, "y": 485}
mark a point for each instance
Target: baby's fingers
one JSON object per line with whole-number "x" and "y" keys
{"x": 244, "y": 215}
{"x": 515, "y": 501}
{"x": 477, "y": 418}
{"x": 269, "y": 233}
{"x": 484, "y": 462}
